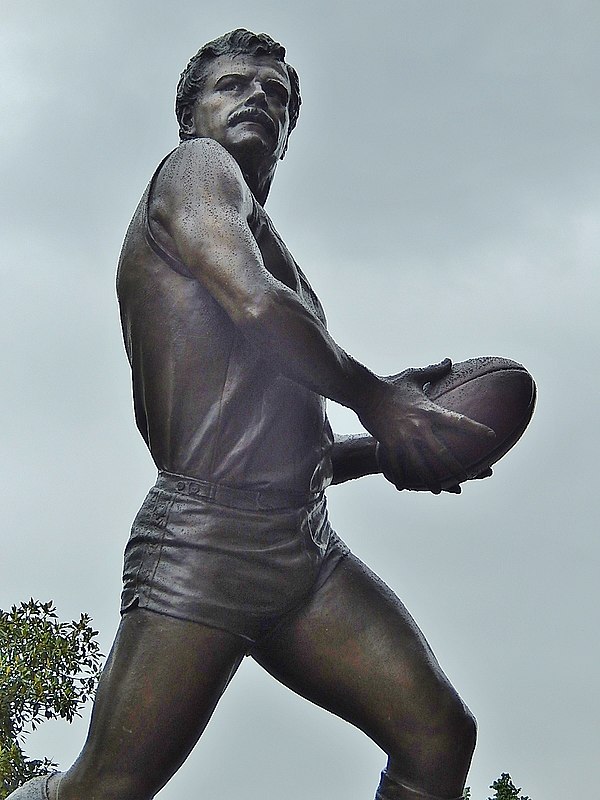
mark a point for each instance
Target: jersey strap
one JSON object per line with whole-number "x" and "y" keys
{"x": 152, "y": 242}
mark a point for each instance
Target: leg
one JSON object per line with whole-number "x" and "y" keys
{"x": 159, "y": 688}
{"x": 355, "y": 650}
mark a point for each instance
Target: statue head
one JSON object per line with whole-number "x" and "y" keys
{"x": 237, "y": 42}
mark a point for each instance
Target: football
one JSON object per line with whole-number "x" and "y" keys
{"x": 498, "y": 392}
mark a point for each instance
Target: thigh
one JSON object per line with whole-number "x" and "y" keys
{"x": 355, "y": 650}
{"x": 161, "y": 683}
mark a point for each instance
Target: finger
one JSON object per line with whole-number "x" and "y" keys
{"x": 427, "y": 463}
{"x": 469, "y": 426}
{"x": 424, "y": 466}
{"x": 433, "y": 372}
{"x": 453, "y": 489}
{"x": 391, "y": 466}
{"x": 445, "y": 463}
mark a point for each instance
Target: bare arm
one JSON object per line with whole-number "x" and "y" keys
{"x": 205, "y": 208}
{"x": 203, "y": 204}
{"x": 353, "y": 456}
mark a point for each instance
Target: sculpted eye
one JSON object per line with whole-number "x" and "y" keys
{"x": 279, "y": 92}
{"x": 230, "y": 84}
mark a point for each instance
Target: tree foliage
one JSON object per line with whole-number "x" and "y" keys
{"x": 506, "y": 790}
{"x": 48, "y": 670}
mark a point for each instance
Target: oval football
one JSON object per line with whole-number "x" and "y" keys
{"x": 498, "y": 392}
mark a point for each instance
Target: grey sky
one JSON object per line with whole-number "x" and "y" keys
{"x": 442, "y": 193}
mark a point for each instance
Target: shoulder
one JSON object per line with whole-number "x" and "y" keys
{"x": 201, "y": 171}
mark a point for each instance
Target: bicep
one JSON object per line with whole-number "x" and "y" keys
{"x": 207, "y": 217}
{"x": 218, "y": 247}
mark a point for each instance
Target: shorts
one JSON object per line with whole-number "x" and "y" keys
{"x": 195, "y": 554}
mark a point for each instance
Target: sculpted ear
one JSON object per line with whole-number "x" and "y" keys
{"x": 187, "y": 123}
{"x": 284, "y": 151}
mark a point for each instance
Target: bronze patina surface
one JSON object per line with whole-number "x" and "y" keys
{"x": 232, "y": 552}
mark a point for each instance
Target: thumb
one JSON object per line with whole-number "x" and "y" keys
{"x": 433, "y": 372}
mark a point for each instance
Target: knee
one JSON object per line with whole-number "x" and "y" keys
{"x": 464, "y": 731}
{"x": 454, "y": 731}
{"x": 435, "y": 763}
{"x": 436, "y": 751}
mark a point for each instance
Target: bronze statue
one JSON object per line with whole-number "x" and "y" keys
{"x": 232, "y": 553}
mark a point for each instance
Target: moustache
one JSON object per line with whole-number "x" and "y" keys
{"x": 254, "y": 115}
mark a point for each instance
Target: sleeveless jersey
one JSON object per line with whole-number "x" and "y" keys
{"x": 207, "y": 403}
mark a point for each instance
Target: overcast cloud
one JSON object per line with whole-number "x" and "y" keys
{"x": 442, "y": 193}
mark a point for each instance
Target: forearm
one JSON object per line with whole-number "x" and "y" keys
{"x": 209, "y": 227}
{"x": 353, "y": 457}
{"x": 296, "y": 342}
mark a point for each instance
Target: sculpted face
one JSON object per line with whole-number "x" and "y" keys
{"x": 243, "y": 105}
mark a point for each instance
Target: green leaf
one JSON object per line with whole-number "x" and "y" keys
{"x": 48, "y": 669}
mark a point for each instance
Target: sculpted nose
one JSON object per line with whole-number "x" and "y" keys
{"x": 257, "y": 96}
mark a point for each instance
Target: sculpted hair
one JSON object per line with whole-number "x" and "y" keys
{"x": 237, "y": 42}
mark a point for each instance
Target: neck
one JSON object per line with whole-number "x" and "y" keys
{"x": 259, "y": 187}
{"x": 258, "y": 170}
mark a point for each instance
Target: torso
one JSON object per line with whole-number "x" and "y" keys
{"x": 206, "y": 402}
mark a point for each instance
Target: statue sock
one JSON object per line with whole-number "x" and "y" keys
{"x": 393, "y": 789}
{"x": 34, "y": 789}
{"x": 53, "y": 785}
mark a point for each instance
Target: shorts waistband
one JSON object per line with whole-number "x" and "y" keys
{"x": 243, "y": 499}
